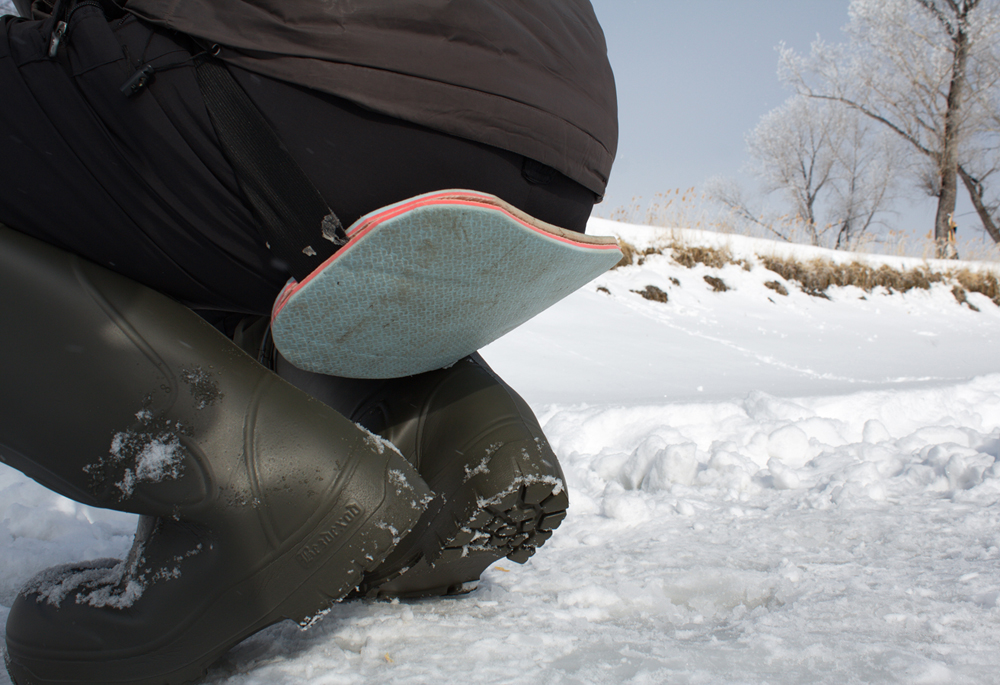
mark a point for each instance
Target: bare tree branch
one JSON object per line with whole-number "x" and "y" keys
{"x": 975, "y": 189}
{"x": 939, "y": 15}
{"x": 876, "y": 117}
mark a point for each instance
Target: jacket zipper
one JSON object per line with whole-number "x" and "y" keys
{"x": 59, "y": 33}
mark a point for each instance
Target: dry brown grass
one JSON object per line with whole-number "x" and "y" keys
{"x": 685, "y": 255}
{"x": 632, "y": 255}
{"x": 980, "y": 282}
{"x": 715, "y": 258}
{"x": 960, "y": 297}
{"x": 816, "y": 276}
{"x": 777, "y": 287}
{"x": 652, "y": 293}
{"x": 718, "y": 285}
{"x": 629, "y": 253}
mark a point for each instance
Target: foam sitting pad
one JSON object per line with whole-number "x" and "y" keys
{"x": 422, "y": 283}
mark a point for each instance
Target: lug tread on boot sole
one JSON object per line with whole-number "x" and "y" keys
{"x": 489, "y": 524}
{"x": 514, "y": 527}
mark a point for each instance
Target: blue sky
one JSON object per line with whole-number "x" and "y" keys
{"x": 694, "y": 77}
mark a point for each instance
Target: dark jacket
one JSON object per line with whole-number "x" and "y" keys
{"x": 528, "y": 76}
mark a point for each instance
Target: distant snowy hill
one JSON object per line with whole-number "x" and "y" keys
{"x": 765, "y": 488}
{"x": 607, "y": 344}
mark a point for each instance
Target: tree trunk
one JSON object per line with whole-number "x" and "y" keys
{"x": 948, "y": 163}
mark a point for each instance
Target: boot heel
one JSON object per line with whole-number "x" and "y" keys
{"x": 511, "y": 508}
{"x": 507, "y": 505}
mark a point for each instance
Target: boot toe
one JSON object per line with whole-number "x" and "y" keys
{"x": 124, "y": 621}
{"x": 187, "y": 594}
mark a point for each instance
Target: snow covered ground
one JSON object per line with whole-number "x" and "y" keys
{"x": 765, "y": 489}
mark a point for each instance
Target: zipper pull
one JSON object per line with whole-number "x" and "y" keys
{"x": 139, "y": 80}
{"x": 57, "y": 37}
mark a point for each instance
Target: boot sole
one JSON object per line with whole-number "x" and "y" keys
{"x": 297, "y": 588}
{"x": 506, "y": 508}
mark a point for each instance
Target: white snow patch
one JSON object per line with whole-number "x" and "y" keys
{"x": 483, "y": 466}
{"x": 53, "y": 585}
{"x": 100, "y": 583}
{"x": 518, "y": 483}
{"x": 160, "y": 458}
{"x": 377, "y": 442}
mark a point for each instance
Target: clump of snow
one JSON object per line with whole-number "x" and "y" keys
{"x": 830, "y": 450}
{"x": 789, "y": 445}
{"x": 377, "y": 442}
{"x": 148, "y": 453}
{"x": 404, "y": 488}
{"x": 109, "y": 593}
{"x": 312, "y": 620}
{"x": 103, "y": 582}
{"x": 158, "y": 458}
{"x": 399, "y": 479}
{"x": 100, "y": 583}
{"x": 483, "y": 467}
{"x": 391, "y": 529}
{"x": 53, "y": 585}
{"x": 656, "y": 464}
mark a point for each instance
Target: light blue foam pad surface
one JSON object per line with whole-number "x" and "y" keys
{"x": 423, "y": 283}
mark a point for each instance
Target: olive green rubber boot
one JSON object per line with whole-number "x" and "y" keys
{"x": 498, "y": 489}
{"x": 258, "y": 502}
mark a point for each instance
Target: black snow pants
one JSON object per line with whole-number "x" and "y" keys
{"x": 139, "y": 184}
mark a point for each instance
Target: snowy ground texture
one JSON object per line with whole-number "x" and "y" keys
{"x": 765, "y": 489}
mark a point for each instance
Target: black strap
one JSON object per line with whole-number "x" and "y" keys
{"x": 292, "y": 214}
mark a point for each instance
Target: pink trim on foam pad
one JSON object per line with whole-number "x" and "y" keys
{"x": 283, "y": 297}
{"x": 465, "y": 198}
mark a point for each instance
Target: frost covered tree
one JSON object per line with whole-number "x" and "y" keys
{"x": 865, "y": 179}
{"x": 927, "y": 71}
{"x": 826, "y": 163}
{"x": 792, "y": 151}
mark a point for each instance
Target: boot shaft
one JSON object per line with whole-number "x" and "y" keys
{"x": 118, "y": 397}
